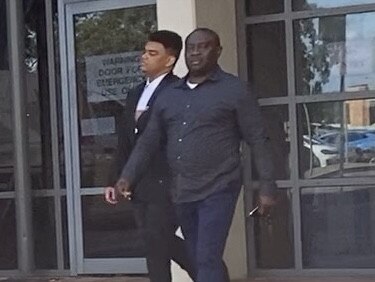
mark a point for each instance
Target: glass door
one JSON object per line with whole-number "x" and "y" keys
{"x": 103, "y": 42}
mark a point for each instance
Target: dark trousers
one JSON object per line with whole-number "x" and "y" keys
{"x": 157, "y": 222}
{"x": 205, "y": 225}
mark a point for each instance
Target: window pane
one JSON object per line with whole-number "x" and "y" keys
{"x": 337, "y": 139}
{"x": 337, "y": 227}
{"x": 263, "y": 7}
{"x": 276, "y": 121}
{"x": 38, "y": 96}
{"x": 8, "y": 235}
{"x": 315, "y": 4}
{"x": 335, "y": 54}
{"x": 110, "y": 232}
{"x": 6, "y": 128}
{"x": 59, "y": 106}
{"x": 266, "y": 55}
{"x": 107, "y": 66}
{"x": 274, "y": 236}
{"x": 65, "y": 235}
{"x": 44, "y": 233}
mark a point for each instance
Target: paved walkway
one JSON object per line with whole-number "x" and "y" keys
{"x": 140, "y": 279}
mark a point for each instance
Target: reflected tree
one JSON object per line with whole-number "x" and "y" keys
{"x": 33, "y": 29}
{"x": 313, "y": 61}
{"x": 312, "y": 57}
{"x": 106, "y": 33}
{"x": 321, "y": 44}
{"x": 115, "y": 31}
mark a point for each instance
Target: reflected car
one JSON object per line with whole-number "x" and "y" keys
{"x": 356, "y": 139}
{"x": 322, "y": 152}
{"x": 348, "y": 170}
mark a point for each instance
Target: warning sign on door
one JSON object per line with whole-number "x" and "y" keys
{"x": 111, "y": 76}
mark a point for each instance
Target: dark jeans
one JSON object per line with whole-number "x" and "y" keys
{"x": 205, "y": 225}
{"x": 157, "y": 222}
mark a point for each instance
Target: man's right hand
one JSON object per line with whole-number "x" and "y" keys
{"x": 110, "y": 195}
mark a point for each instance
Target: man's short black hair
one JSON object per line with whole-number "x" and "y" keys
{"x": 171, "y": 41}
{"x": 208, "y": 31}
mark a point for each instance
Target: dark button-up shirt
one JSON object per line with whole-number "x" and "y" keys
{"x": 203, "y": 128}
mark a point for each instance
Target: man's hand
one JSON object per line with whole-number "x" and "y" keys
{"x": 123, "y": 187}
{"x": 110, "y": 195}
{"x": 265, "y": 204}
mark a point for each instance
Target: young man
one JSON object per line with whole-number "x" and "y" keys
{"x": 151, "y": 199}
{"x": 204, "y": 118}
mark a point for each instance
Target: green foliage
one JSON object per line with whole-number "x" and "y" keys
{"x": 315, "y": 62}
{"x": 113, "y": 31}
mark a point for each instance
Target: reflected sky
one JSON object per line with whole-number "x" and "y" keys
{"x": 337, "y": 3}
{"x": 360, "y": 54}
{"x": 357, "y": 63}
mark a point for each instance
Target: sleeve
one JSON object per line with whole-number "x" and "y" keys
{"x": 252, "y": 130}
{"x": 123, "y": 147}
{"x": 146, "y": 147}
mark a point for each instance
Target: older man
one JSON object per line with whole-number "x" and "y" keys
{"x": 204, "y": 117}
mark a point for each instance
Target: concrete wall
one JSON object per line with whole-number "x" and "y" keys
{"x": 178, "y": 16}
{"x": 183, "y": 16}
{"x": 220, "y": 16}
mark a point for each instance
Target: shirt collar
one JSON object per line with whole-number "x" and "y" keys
{"x": 214, "y": 76}
{"x": 156, "y": 81}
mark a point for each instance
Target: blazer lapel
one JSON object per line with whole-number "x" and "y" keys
{"x": 143, "y": 118}
{"x": 166, "y": 80}
{"x": 130, "y": 108}
{"x": 134, "y": 97}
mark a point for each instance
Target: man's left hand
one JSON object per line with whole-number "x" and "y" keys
{"x": 265, "y": 204}
{"x": 123, "y": 187}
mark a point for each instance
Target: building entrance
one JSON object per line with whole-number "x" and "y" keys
{"x": 102, "y": 42}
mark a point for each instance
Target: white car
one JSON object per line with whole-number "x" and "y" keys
{"x": 322, "y": 152}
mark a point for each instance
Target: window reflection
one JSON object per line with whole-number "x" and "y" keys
{"x": 38, "y": 96}
{"x": 6, "y": 136}
{"x": 335, "y": 54}
{"x": 8, "y": 235}
{"x": 315, "y": 4}
{"x": 266, "y": 54}
{"x": 263, "y": 7}
{"x": 108, "y": 45}
{"x": 107, "y": 63}
{"x": 337, "y": 139}
{"x": 274, "y": 235}
{"x": 45, "y": 253}
{"x": 64, "y": 221}
{"x": 276, "y": 121}
{"x": 110, "y": 232}
{"x": 337, "y": 227}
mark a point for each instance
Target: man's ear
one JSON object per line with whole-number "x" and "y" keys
{"x": 171, "y": 61}
{"x": 219, "y": 49}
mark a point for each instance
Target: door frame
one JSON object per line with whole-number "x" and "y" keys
{"x": 78, "y": 264}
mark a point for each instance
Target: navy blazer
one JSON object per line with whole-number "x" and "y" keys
{"x": 154, "y": 184}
